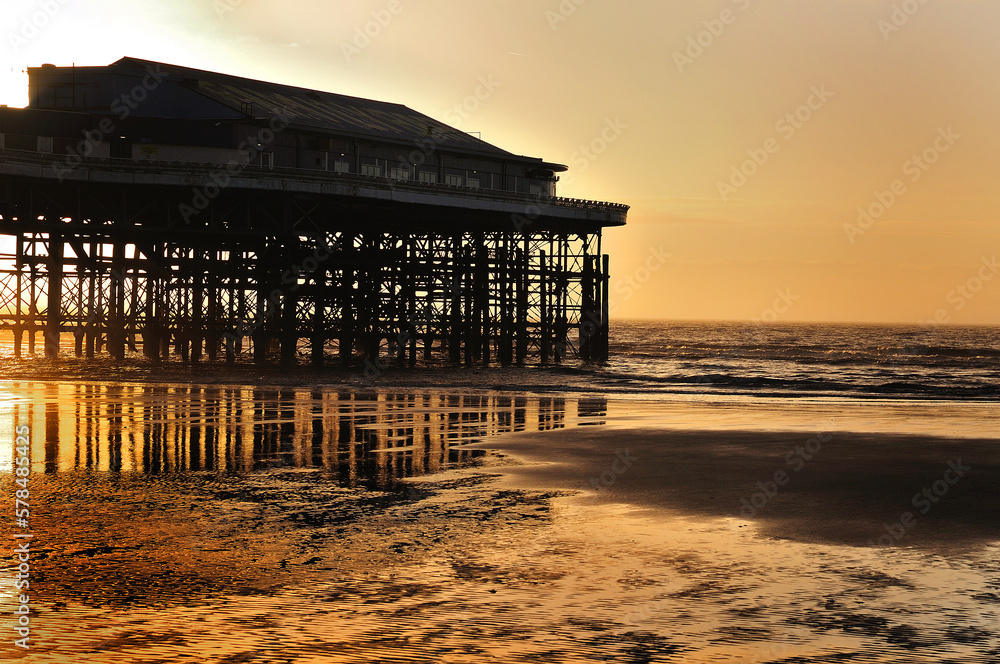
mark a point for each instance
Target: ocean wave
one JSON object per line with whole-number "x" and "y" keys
{"x": 857, "y": 360}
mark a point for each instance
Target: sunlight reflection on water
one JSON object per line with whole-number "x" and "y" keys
{"x": 244, "y": 524}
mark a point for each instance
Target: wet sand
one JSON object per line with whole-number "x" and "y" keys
{"x": 830, "y": 487}
{"x": 415, "y": 527}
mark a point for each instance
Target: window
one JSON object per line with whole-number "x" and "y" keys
{"x": 45, "y": 144}
{"x": 535, "y": 189}
{"x": 341, "y": 166}
{"x": 267, "y": 159}
{"x": 22, "y": 142}
{"x": 65, "y": 96}
{"x": 472, "y": 182}
{"x": 371, "y": 170}
{"x": 453, "y": 180}
{"x": 56, "y": 96}
{"x": 400, "y": 174}
{"x": 121, "y": 148}
{"x": 428, "y": 176}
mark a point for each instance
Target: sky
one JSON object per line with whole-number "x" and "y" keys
{"x": 784, "y": 160}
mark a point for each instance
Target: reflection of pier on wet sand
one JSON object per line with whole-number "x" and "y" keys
{"x": 363, "y": 438}
{"x": 249, "y": 524}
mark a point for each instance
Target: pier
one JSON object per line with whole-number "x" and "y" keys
{"x": 224, "y": 218}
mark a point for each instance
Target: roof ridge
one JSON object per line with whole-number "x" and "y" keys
{"x": 324, "y": 110}
{"x": 258, "y": 81}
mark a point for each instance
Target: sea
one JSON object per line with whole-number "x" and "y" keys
{"x": 854, "y": 361}
{"x": 654, "y": 358}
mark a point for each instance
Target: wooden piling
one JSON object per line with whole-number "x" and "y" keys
{"x": 605, "y": 309}
{"x": 53, "y": 309}
{"x": 543, "y": 308}
{"x": 116, "y": 322}
{"x": 476, "y": 294}
{"x": 18, "y": 295}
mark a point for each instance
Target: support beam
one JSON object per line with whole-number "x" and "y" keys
{"x": 482, "y": 335}
{"x": 151, "y": 332}
{"x": 116, "y": 322}
{"x": 472, "y": 292}
{"x": 589, "y": 320}
{"x": 522, "y": 301}
{"x": 53, "y": 309}
{"x": 605, "y": 313}
{"x": 18, "y": 295}
{"x": 265, "y": 309}
{"x": 90, "y": 326}
{"x": 454, "y": 275}
{"x": 348, "y": 307}
{"x": 320, "y": 286}
{"x": 543, "y": 308}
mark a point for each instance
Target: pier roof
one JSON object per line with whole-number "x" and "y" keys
{"x": 234, "y": 97}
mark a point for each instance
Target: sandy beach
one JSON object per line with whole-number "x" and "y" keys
{"x": 790, "y": 545}
{"x": 565, "y": 530}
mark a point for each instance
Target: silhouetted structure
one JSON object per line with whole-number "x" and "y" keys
{"x": 212, "y": 214}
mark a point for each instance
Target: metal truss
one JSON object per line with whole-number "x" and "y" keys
{"x": 276, "y": 276}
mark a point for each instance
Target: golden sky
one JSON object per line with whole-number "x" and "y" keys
{"x": 747, "y": 135}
